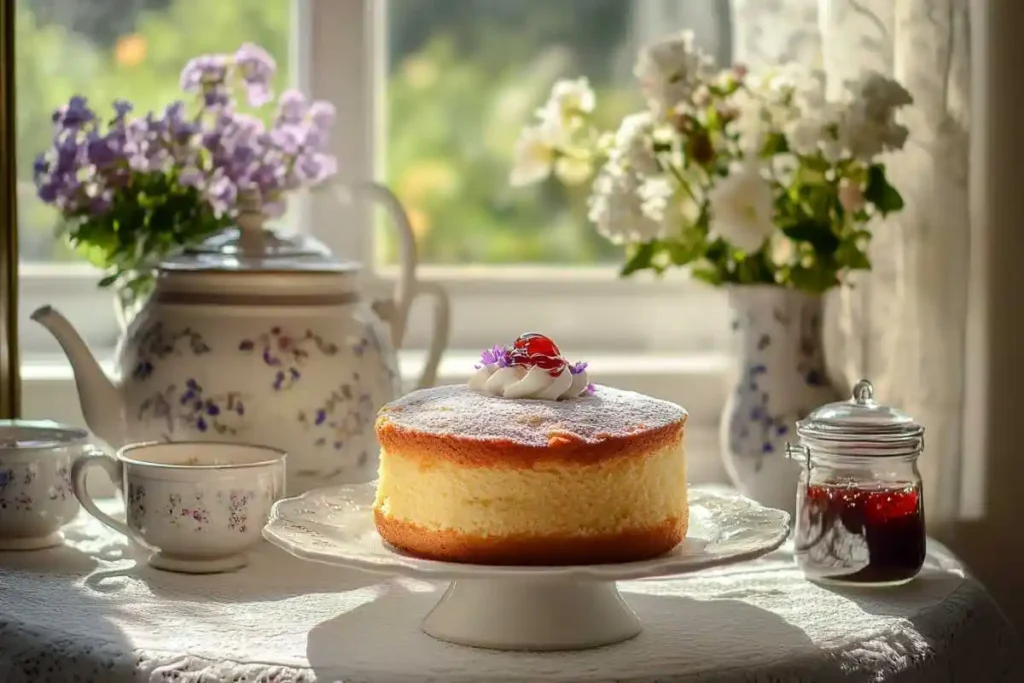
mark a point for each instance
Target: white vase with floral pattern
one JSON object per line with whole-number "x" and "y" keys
{"x": 781, "y": 378}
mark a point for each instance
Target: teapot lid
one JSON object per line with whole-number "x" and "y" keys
{"x": 258, "y": 250}
{"x": 859, "y": 426}
{"x": 255, "y": 266}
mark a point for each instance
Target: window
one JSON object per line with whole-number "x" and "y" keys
{"x": 431, "y": 95}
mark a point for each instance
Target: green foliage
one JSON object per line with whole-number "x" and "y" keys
{"x": 879, "y": 192}
{"x": 152, "y": 218}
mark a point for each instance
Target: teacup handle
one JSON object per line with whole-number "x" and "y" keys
{"x": 114, "y": 469}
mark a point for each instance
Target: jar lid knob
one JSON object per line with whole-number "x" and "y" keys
{"x": 864, "y": 393}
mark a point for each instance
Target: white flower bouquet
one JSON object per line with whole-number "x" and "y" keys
{"x": 745, "y": 178}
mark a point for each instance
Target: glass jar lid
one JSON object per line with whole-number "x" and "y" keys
{"x": 860, "y": 426}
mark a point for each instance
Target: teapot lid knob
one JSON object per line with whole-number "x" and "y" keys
{"x": 863, "y": 393}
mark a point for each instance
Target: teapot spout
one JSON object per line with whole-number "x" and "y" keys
{"x": 99, "y": 396}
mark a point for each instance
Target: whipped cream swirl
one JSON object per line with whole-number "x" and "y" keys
{"x": 519, "y": 381}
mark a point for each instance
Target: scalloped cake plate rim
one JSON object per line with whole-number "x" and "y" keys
{"x": 321, "y": 541}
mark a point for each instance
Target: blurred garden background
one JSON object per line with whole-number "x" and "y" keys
{"x": 463, "y": 76}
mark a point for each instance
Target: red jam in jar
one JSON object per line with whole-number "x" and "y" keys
{"x": 861, "y": 533}
{"x": 860, "y": 512}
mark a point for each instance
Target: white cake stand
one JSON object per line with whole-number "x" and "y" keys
{"x": 522, "y": 608}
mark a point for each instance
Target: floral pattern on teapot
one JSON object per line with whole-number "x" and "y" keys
{"x": 289, "y": 384}
{"x": 156, "y": 344}
{"x": 190, "y": 406}
{"x": 343, "y": 414}
{"x": 287, "y": 354}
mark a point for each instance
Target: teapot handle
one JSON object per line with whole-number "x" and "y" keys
{"x": 440, "y": 331}
{"x": 405, "y": 288}
{"x": 395, "y": 311}
{"x": 385, "y": 309}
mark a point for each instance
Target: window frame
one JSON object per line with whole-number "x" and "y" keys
{"x": 660, "y": 336}
{"x": 337, "y": 53}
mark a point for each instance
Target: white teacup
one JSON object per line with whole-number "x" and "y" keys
{"x": 197, "y": 505}
{"x": 36, "y": 499}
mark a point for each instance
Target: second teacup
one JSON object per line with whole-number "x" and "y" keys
{"x": 35, "y": 485}
{"x": 197, "y": 505}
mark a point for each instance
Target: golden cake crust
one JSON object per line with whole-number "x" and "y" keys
{"x": 474, "y": 429}
{"x": 449, "y": 545}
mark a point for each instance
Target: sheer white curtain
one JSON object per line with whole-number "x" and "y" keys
{"x": 902, "y": 325}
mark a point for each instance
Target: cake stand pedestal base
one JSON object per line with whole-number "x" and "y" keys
{"x": 537, "y": 615}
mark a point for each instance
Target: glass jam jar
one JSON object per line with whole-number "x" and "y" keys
{"x": 860, "y": 513}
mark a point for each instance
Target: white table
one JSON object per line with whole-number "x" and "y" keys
{"x": 89, "y": 613}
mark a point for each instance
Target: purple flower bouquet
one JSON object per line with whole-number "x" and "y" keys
{"x": 137, "y": 189}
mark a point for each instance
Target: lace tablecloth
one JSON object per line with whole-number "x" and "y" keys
{"x": 92, "y": 612}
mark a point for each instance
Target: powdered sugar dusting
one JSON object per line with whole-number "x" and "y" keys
{"x": 461, "y": 411}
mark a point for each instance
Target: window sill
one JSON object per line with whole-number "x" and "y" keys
{"x": 487, "y": 303}
{"x": 696, "y": 381}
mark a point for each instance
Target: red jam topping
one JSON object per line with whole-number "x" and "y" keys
{"x": 861, "y": 533}
{"x": 534, "y": 349}
{"x": 536, "y": 344}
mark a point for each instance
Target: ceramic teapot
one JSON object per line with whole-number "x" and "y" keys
{"x": 260, "y": 338}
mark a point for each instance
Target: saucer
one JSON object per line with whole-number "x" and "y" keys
{"x": 37, "y": 543}
{"x": 216, "y": 565}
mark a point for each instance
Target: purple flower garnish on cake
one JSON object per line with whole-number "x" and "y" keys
{"x": 578, "y": 367}
{"x": 591, "y": 388}
{"x": 496, "y": 355}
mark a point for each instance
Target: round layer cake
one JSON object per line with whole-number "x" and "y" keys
{"x": 470, "y": 475}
